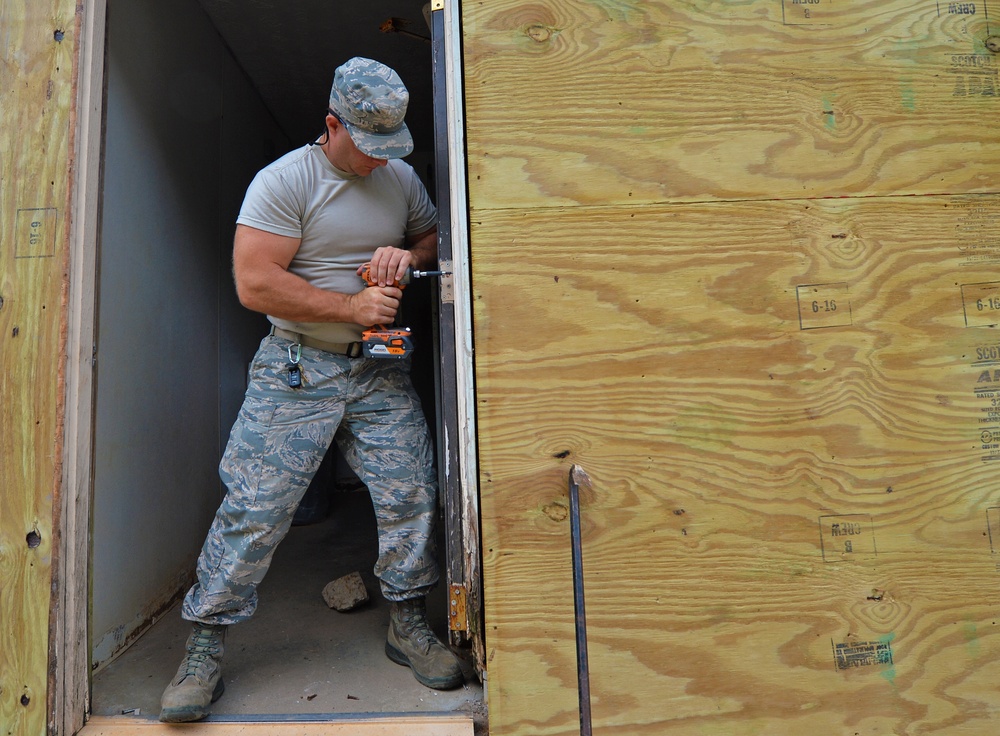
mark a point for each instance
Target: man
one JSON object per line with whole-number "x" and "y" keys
{"x": 308, "y": 224}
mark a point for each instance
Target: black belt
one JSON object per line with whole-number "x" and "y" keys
{"x": 350, "y": 349}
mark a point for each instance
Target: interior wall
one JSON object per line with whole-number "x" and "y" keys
{"x": 185, "y": 134}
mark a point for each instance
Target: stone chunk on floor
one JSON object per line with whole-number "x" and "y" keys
{"x": 346, "y": 593}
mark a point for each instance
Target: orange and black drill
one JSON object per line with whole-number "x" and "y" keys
{"x": 379, "y": 341}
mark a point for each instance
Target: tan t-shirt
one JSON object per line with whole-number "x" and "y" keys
{"x": 340, "y": 218}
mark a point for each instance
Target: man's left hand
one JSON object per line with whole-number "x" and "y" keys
{"x": 388, "y": 265}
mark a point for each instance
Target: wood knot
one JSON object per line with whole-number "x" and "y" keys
{"x": 539, "y": 33}
{"x": 556, "y": 511}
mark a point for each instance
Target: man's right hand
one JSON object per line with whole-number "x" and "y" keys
{"x": 375, "y": 305}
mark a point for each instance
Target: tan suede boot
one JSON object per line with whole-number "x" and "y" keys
{"x": 412, "y": 643}
{"x": 198, "y": 682}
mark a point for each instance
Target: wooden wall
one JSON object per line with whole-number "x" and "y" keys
{"x": 741, "y": 262}
{"x": 37, "y": 78}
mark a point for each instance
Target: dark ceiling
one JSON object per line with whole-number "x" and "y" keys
{"x": 290, "y": 50}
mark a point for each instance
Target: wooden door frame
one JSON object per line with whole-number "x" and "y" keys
{"x": 69, "y": 648}
{"x": 457, "y": 457}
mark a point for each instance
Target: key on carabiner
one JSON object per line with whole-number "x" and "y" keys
{"x": 294, "y": 371}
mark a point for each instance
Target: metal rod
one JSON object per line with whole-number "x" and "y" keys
{"x": 576, "y": 474}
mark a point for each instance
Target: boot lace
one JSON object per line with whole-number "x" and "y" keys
{"x": 202, "y": 647}
{"x": 413, "y": 624}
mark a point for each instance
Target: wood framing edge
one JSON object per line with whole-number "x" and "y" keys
{"x": 69, "y": 655}
{"x": 427, "y": 725}
{"x": 461, "y": 269}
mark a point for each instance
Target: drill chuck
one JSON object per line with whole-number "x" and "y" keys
{"x": 410, "y": 275}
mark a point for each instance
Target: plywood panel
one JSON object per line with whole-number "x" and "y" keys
{"x": 36, "y": 75}
{"x": 788, "y": 412}
{"x": 629, "y": 102}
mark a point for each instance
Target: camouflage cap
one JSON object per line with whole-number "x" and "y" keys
{"x": 370, "y": 99}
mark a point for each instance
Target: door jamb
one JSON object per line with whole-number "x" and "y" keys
{"x": 463, "y": 447}
{"x": 69, "y": 650}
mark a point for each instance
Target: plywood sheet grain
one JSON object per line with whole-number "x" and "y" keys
{"x": 632, "y": 102}
{"x": 38, "y": 51}
{"x": 789, "y": 410}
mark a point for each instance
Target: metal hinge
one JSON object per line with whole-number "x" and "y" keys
{"x": 446, "y": 282}
{"x": 457, "y": 619}
{"x": 437, "y": 4}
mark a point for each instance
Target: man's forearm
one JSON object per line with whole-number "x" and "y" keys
{"x": 285, "y": 295}
{"x": 424, "y": 249}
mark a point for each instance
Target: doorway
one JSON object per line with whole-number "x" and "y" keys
{"x": 188, "y": 124}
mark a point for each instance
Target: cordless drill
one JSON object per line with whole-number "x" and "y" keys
{"x": 379, "y": 341}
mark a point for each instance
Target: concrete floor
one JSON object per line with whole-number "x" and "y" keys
{"x": 296, "y": 656}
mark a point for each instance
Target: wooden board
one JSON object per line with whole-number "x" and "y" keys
{"x": 69, "y": 683}
{"x": 696, "y": 274}
{"x": 35, "y": 169}
{"x": 788, "y": 413}
{"x": 632, "y": 102}
{"x": 430, "y": 725}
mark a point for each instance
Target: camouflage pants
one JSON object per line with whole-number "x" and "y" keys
{"x": 277, "y": 443}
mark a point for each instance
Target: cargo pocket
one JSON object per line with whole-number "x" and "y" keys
{"x": 243, "y": 461}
